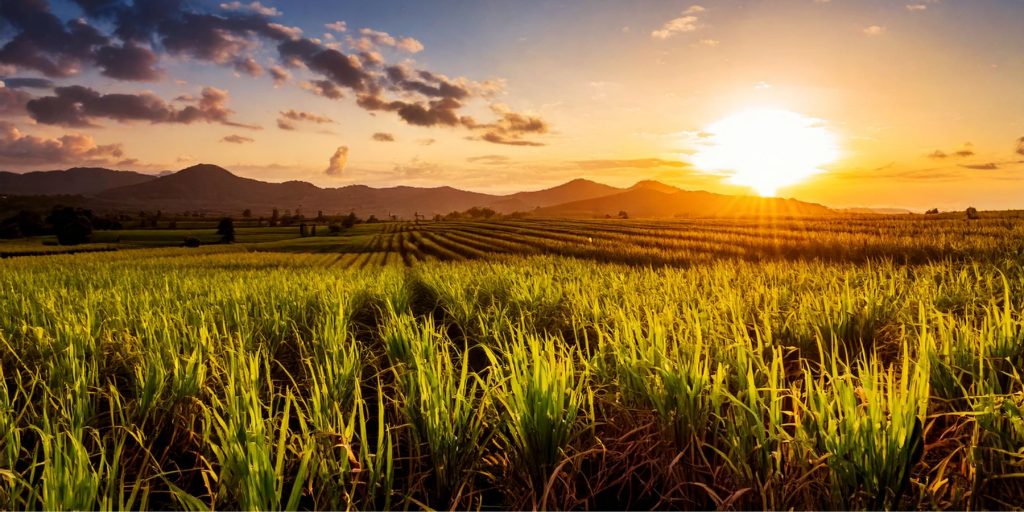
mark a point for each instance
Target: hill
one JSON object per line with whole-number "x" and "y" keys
{"x": 575, "y": 190}
{"x": 75, "y": 181}
{"x": 213, "y": 189}
{"x": 650, "y": 201}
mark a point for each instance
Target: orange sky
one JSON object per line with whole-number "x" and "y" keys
{"x": 923, "y": 97}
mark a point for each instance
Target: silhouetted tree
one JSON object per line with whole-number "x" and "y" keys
{"x": 190, "y": 242}
{"x": 24, "y": 223}
{"x": 334, "y": 229}
{"x": 302, "y": 229}
{"x": 72, "y": 226}
{"x": 246, "y": 213}
{"x": 349, "y": 220}
{"x": 312, "y": 230}
{"x": 972, "y": 213}
{"x": 623, "y": 214}
{"x": 226, "y": 230}
{"x": 372, "y": 219}
{"x": 933, "y": 211}
{"x": 274, "y": 217}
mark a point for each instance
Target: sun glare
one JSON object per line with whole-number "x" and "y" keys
{"x": 766, "y": 149}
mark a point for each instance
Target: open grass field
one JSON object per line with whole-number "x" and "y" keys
{"x": 861, "y": 363}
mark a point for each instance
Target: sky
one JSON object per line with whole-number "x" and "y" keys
{"x": 922, "y": 98}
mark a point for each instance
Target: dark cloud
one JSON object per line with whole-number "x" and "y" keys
{"x": 128, "y": 62}
{"x": 142, "y": 29}
{"x": 337, "y": 67}
{"x": 323, "y": 88}
{"x": 1020, "y": 146}
{"x": 981, "y": 167}
{"x": 383, "y": 137}
{"x": 426, "y": 142}
{"x": 79, "y": 106}
{"x": 509, "y": 129}
{"x": 309, "y": 117}
{"x": 965, "y": 152}
{"x": 27, "y": 83}
{"x": 285, "y": 125}
{"x": 938, "y": 153}
{"x": 236, "y": 139}
{"x": 338, "y": 162}
{"x": 17, "y": 148}
{"x": 12, "y": 102}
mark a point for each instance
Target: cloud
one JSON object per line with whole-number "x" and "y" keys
{"x": 917, "y": 7}
{"x": 371, "y": 38}
{"x": 1020, "y": 146}
{"x": 874, "y": 30}
{"x": 383, "y": 137}
{"x": 637, "y": 163}
{"x": 285, "y": 125}
{"x": 425, "y": 142}
{"x": 509, "y": 129}
{"x": 324, "y": 88}
{"x": 676, "y": 26}
{"x": 338, "y": 161}
{"x": 12, "y": 101}
{"x": 27, "y": 83}
{"x": 21, "y": 149}
{"x": 280, "y": 75}
{"x": 964, "y": 152}
{"x": 126, "y": 41}
{"x": 248, "y": 66}
{"x": 990, "y": 166}
{"x": 711, "y": 43}
{"x": 236, "y": 139}
{"x": 255, "y": 7}
{"x": 308, "y": 117}
{"x": 489, "y": 159}
{"x": 80, "y": 106}
{"x": 694, "y": 9}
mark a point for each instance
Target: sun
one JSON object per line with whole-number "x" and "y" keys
{"x": 766, "y": 149}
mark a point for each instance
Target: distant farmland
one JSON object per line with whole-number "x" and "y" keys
{"x": 842, "y": 362}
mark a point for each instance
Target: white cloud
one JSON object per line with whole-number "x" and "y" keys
{"x": 676, "y": 26}
{"x": 874, "y": 30}
{"x": 917, "y": 7}
{"x": 337, "y": 26}
{"x": 338, "y": 161}
{"x": 255, "y": 7}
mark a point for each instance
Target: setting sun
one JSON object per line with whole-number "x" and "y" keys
{"x": 766, "y": 149}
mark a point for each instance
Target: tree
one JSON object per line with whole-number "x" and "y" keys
{"x": 302, "y": 229}
{"x": 334, "y": 229}
{"x": 623, "y": 214}
{"x": 226, "y": 230}
{"x": 972, "y": 213}
{"x": 246, "y": 213}
{"x": 72, "y": 226}
{"x": 24, "y": 223}
{"x": 190, "y": 242}
{"x": 312, "y": 230}
{"x": 274, "y": 217}
{"x": 349, "y": 220}
{"x": 933, "y": 211}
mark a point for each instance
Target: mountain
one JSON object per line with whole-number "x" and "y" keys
{"x": 75, "y": 181}
{"x": 877, "y": 211}
{"x": 661, "y": 201}
{"x": 575, "y": 190}
{"x": 213, "y": 189}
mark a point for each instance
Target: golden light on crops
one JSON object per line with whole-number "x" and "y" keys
{"x": 766, "y": 149}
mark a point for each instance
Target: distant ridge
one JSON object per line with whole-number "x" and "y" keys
{"x": 75, "y": 181}
{"x": 211, "y": 188}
